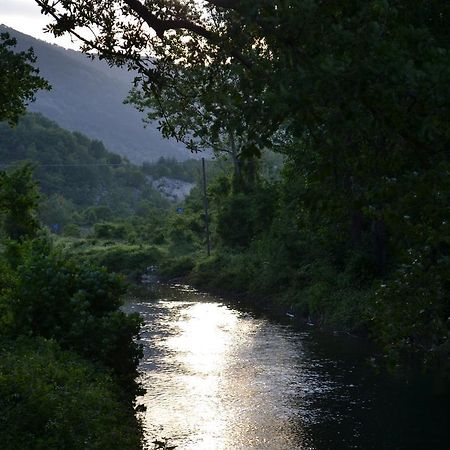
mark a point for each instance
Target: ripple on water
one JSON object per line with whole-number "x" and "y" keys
{"x": 220, "y": 379}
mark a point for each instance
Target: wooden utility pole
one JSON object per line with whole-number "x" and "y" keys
{"x": 205, "y": 202}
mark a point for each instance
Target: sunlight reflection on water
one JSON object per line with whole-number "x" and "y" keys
{"x": 220, "y": 379}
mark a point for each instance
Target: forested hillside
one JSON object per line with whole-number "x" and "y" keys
{"x": 87, "y": 96}
{"x": 80, "y": 180}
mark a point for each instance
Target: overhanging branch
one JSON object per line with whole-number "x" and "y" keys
{"x": 162, "y": 25}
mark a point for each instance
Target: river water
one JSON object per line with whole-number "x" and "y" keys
{"x": 218, "y": 377}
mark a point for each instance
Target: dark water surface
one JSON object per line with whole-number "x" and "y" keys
{"x": 221, "y": 378}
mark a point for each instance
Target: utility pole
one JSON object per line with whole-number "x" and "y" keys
{"x": 205, "y": 203}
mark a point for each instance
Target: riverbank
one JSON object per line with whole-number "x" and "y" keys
{"x": 226, "y": 277}
{"x": 326, "y": 299}
{"x": 316, "y": 294}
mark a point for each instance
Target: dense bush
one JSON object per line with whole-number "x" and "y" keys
{"x": 77, "y": 305}
{"x": 243, "y": 215}
{"x": 52, "y": 399}
{"x": 68, "y": 358}
{"x": 108, "y": 230}
{"x": 411, "y": 312}
{"x": 225, "y": 271}
{"x": 129, "y": 260}
{"x": 18, "y": 202}
{"x": 175, "y": 267}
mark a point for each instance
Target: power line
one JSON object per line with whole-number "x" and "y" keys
{"x": 219, "y": 162}
{"x": 13, "y": 163}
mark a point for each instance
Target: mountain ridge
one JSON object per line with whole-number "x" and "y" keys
{"x": 87, "y": 96}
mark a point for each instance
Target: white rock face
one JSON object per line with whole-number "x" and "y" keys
{"x": 175, "y": 190}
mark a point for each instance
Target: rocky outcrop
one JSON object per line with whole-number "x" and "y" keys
{"x": 173, "y": 189}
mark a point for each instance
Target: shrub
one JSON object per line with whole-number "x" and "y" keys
{"x": 77, "y": 305}
{"x": 72, "y": 230}
{"x": 130, "y": 260}
{"x": 176, "y": 267}
{"x": 52, "y": 399}
{"x": 109, "y": 230}
{"x": 411, "y": 313}
{"x": 222, "y": 271}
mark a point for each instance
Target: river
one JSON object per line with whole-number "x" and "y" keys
{"x": 219, "y": 377}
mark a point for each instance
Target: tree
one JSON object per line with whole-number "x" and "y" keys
{"x": 129, "y": 31}
{"x": 207, "y": 109}
{"x": 181, "y": 51}
{"x": 18, "y": 202}
{"x": 360, "y": 89}
{"x": 56, "y": 399}
{"x": 19, "y": 80}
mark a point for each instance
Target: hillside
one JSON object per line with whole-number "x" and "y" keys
{"x": 87, "y": 96}
{"x": 76, "y": 175}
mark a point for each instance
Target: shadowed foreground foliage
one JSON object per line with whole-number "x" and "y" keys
{"x": 52, "y": 399}
{"x": 68, "y": 359}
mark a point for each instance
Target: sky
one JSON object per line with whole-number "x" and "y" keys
{"x": 25, "y": 16}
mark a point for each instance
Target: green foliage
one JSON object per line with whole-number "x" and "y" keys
{"x": 55, "y": 210}
{"x": 72, "y": 230}
{"x": 128, "y": 259}
{"x": 242, "y": 216}
{"x": 52, "y": 399}
{"x": 176, "y": 267}
{"x": 19, "y": 80}
{"x": 18, "y": 202}
{"x": 75, "y": 305}
{"x": 411, "y": 310}
{"x": 94, "y": 214}
{"x": 224, "y": 271}
{"x": 203, "y": 106}
{"x": 107, "y": 230}
{"x": 188, "y": 170}
{"x": 150, "y": 225}
{"x": 181, "y": 233}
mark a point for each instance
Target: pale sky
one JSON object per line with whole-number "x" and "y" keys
{"x": 25, "y": 16}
